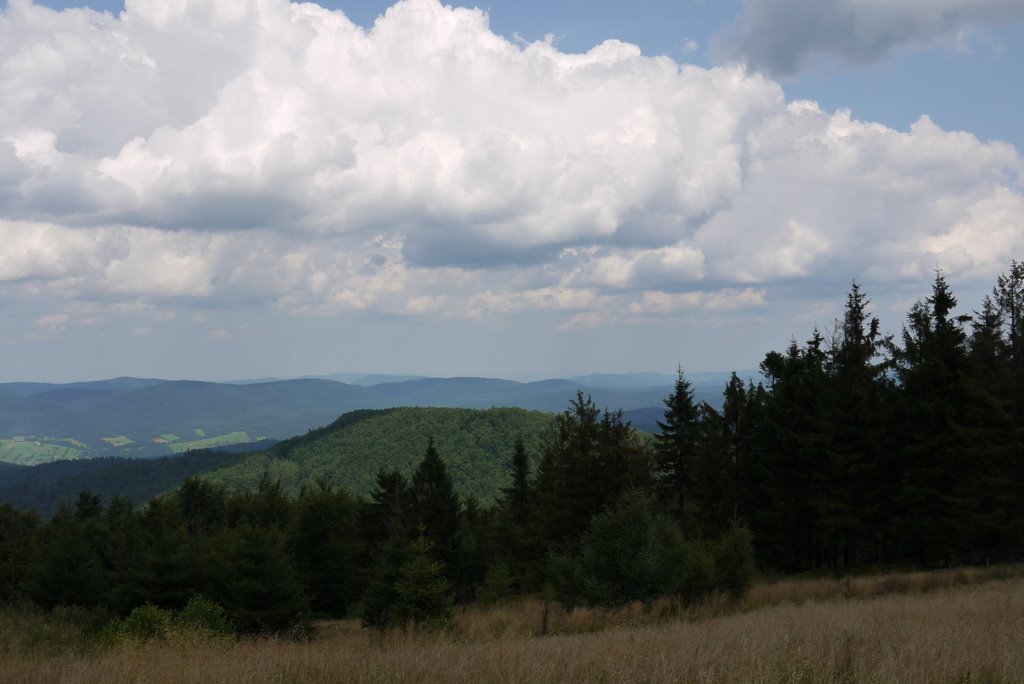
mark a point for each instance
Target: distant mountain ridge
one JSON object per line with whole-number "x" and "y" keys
{"x": 146, "y": 417}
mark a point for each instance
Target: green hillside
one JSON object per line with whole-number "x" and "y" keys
{"x": 476, "y": 446}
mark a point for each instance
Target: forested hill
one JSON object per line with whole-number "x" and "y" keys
{"x": 476, "y": 446}
{"x": 132, "y": 418}
{"x": 44, "y": 487}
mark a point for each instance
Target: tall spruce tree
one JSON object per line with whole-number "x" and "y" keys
{"x": 930, "y": 364}
{"x": 858, "y": 453}
{"x": 791, "y": 461}
{"x": 676, "y": 446}
{"x": 517, "y": 496}
{"x": 436, "y": 504}
{"x": 990, "y": 426}
{"x": 259, "y": 587}
{"x": 17, "y": 549}
{"x": 1009, "y": 298}
{"x": 586, "y": 462}
{"x": 324, "y": 543}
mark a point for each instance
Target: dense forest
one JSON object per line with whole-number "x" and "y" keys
{"x": 858, "y": 449}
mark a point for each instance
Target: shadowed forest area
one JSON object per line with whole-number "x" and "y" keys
{"x": 859, "y": 450}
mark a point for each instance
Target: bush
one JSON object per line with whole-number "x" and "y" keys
{"x": 630, "y": 553}
{"x": 202, "y": 615}
{"x": 734, "y": 561}
{"x": 146, "y": 622}
{"x": 699, "y": 577}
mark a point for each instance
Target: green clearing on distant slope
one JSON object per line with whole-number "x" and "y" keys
{"x": 33, "y": 452}
{"x": 237, "y": 437}
{"x": 476, "y": 446}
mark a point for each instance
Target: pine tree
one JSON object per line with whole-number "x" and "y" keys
{"x": 571, "y": 487}
{"x": 436, "y": 504}
{"x": 1009, "y": 298}
{"x": 989, "y": 426}
{"x": 676, "y": 447}
{"x": 791, "y": 463}
{"x": 17, "y": 549}
{"x": 930, "y": 366}
{"x": 859, "y": 477}
{"x": 324, "y": 542}
{"x": 376, "y": 607}
{"x": 171, "y": 567}
{"x": 122, "y": 555}
{"x": 422, "y": 595}
{"x": 68, "y": 570}
{"x": 517, "y": 497}
{"x": 260, "y": 589}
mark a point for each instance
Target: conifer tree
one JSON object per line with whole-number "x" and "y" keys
{"x": 422, "y": 595}
{"x": 260, "y": 589}
{"x": 676, "y": 447}
{"x": 791, "y": 462}
{"x": 17, "y": 549}
{"x": 930, "y": 365}
{"x": 517, "y": 496}
{"x": 68, "y": 570}
{"x": 989, "y": 427}
{"x": 570, "y": 485}
{"x": 436, "y": 504}
{"x": 323, "y": 540}
{"x": 860, "y": 476}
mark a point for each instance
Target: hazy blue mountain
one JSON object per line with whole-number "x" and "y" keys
{"x": 645, "y": 419}
{"x": 26, "y": 389}
{"x": 147, "y": 417}
{"x": 625, "y": 380}
{"x": 375, "y": 379}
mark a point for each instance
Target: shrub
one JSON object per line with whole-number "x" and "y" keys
{"x": 630, "y": 553}
{"x": 699, "y": 577}
{"x": 497, "y": 585}
{"x": 734, "y": 561}
{"x": 146, "y": 622}
{"x": 201, "y": 614}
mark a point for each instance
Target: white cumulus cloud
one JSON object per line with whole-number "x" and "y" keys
{"x": 261, "y": 153}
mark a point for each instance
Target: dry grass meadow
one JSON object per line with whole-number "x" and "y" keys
{"x": 952, "y": 626}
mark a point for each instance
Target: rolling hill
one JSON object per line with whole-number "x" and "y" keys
{"x": 476, "y": 446}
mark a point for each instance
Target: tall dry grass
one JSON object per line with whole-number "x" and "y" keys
{"x": 961, "y": 633}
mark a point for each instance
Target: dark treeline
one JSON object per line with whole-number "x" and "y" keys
{"x": 858, "y": 449}
{"x": 863, "y": 449}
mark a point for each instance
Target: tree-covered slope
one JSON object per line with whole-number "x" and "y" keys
{"x": 476, "y": 446}
{"x": 44, "y": 487}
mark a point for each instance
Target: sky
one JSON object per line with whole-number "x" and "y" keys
{"x": 228, "y": 189}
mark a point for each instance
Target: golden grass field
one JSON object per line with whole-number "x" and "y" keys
{"x": 955, "y": 626}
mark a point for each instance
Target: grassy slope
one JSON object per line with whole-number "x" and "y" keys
{"x": 31, "y": 453}
{"x": 952, "y": 634}
{"x": 475, "y": 445}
